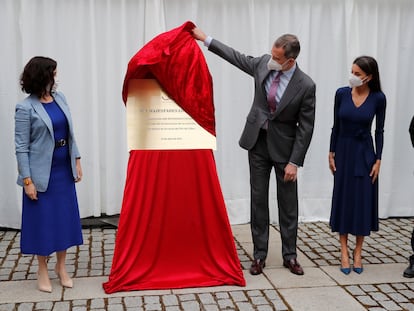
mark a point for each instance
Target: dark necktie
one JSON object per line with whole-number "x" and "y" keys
{"x": 271, "y": 95}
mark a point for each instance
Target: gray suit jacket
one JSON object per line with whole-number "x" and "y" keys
{"x": 35, "y": 142}
{"x": 290, "y": 128}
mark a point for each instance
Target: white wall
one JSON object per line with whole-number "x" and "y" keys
{"x": 94, "y": 40}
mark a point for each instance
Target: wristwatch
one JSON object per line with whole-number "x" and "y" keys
{"x": 27, "y": 181}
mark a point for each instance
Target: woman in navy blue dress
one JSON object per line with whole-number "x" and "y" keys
{"x": 354, "y": 160}
{"x": 48, "y": 163}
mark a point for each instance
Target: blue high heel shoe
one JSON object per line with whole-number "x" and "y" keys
{"x": 358, "y": 270}
{"x": 345, "y": 271}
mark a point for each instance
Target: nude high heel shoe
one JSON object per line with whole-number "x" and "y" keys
{"x": 67, "y": 282}
{"x": 43, "y": 283}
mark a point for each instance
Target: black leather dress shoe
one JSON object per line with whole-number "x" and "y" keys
{"x": 257, "y": 266}
{"x": 294, "y": 266}
{"x": 409, "y": 272}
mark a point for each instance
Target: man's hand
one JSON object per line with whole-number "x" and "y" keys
{"x": 291, "y": 172}
{"x": 198, "y": 34}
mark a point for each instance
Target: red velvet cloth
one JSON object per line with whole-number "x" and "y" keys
{"x": 175, "y": 60}
{"x": 173, "y": 229}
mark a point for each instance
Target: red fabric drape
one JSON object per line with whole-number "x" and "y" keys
{"x": 173, "y": 229}
{"x": 175, "y": 60}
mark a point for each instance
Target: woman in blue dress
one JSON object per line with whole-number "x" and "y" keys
{"x": 48, "y": 163}
{"x": 353, "y": 159}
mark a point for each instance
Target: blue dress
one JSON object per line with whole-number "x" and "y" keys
{"x": 355, "y": 198}
{"x": 52, "y": 223}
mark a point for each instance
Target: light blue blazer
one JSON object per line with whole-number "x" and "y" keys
{"x": 35, "y": 143}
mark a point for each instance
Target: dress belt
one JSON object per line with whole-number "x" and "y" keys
{"x": 60, "y": 143}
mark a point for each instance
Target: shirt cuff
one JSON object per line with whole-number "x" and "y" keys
{"x": 208, "y": 40}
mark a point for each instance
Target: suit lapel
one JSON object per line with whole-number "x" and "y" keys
{"x": 40, "y": 110}
{"x": 64, "y": 108}
{"x": 292, "y": 89}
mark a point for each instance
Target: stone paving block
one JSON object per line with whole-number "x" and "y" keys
{"x": 398, "y": 298}
{"x": 26, "y": 291}
{"x": 254, "y": 293}
{"x": 190, "y": 306}
{"x": 116, "y": 307}
{"x": 225, "y": 303}
{"x": 7, "y": 307}
{"x": 355, "y": 290}
{"x": 148, "y": 300}
{"x": 407, "y": 293}
{"x": 367, "y": 300}
{"x": 373, "y": 274}
{"x": 390, "y": 305}
{"x": 333, "y": 298}
{"x": 186, "y": 297}
{"x": 408, "y": 306}
{"x": 61, "y": 306}
{"x": 260, "y": 300}
{"x": 25, "y": 306}
{"x": 206, "y": 298}
{"x": 244, "y": 306}
{"x": 283, "y": 278}
{"x": 238, "y": 296}
{"x": 170, "y": 300}
{"x": 378, "y": 296}
{"x": 264, "y": 308}
{"x": 222, "y": 295}
{"x": 44, "y": 305}
{"x": 369, "y": 288}
{"x": 209, "y": 307}
{"x": 153, "y": 307}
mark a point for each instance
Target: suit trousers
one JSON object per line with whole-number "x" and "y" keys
{"x": 261, "y": 165}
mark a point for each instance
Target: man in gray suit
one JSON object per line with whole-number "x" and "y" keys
{"x": 277, "y": 135}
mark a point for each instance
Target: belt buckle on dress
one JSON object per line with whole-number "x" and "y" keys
{"x": 60, "y": 143}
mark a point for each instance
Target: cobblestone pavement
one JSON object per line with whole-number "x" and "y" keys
{"x": 93, "y": 259}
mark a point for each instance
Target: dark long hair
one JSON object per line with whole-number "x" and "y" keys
{"x": 369, "y": 65}
{"x": 38, "y": 76}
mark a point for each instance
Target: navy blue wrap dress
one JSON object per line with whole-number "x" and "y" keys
{"x": 355, "y": 198}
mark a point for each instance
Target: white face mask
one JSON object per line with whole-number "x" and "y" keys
{"x": 355, "y": 81}
{"x": 274, "y": 65}
{"x": 55, "y": 85}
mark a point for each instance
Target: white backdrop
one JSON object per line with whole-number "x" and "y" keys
{"x": 93, "y": 40}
